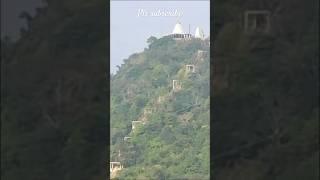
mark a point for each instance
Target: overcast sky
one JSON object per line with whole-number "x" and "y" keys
{"x": 129, "y": 31}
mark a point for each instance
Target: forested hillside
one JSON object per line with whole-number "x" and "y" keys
{"x": 265, "y": 107}
{"x": 172, "y": 139}
{"x": 53, "y": 95}
{"x": 265, "y": 103}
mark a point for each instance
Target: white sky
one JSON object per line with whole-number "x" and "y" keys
{"x": 129, "y": 32}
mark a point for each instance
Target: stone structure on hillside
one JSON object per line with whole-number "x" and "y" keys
{"x": 190, "y": 68}
{"x": 114, "y": 168}
{"x": 257, "y": 21}
{"x": 147, "y": 111}
{"x": 135, "y": 124}
{"x": 176, "y": 85}
{"x": 201, "y": 54}
{"x": 161, "y": 99}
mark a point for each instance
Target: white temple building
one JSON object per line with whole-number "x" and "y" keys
{"x": 178, "y": 29}
{"x": 199, "y": 33}
{"x": 179, "y": 34}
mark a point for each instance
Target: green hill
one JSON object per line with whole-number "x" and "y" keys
{"x": 265, "y": 107}
{"x": 53, "y": 95}
{"x": 174, "y": 140}
{"x": 266, "y": 92}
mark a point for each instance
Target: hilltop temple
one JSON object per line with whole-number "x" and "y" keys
{"x": 179, "y": 34}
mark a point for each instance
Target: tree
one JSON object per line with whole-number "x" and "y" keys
{"x": 151, "y": 40}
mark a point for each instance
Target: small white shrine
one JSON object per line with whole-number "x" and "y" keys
{"x": 176, "y": 85}
{"x": 199, "y": 33}
{"x": 115, "y": 166}
{"x": 190, "y": 68}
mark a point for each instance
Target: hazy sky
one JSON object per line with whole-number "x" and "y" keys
{"x": 129, "y": 31}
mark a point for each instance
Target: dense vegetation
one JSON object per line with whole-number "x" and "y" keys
{"x": 266, "y": 92}
{"x": 174, "y": 142}
{"x": 265, "y": 113}
{"x": 53, "y": 95}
